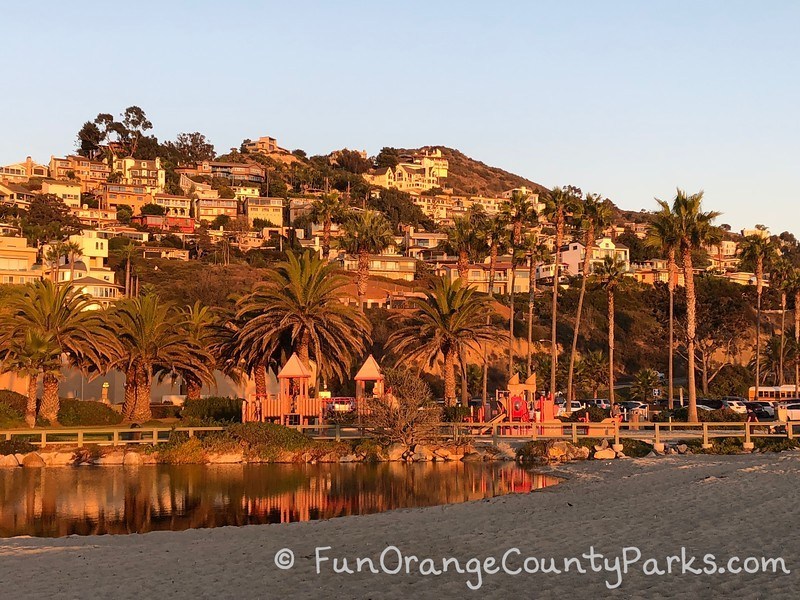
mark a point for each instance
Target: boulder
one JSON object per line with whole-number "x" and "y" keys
{"x": 349, "y": 458}
{"x": 681, "y": 448}
{"x": 57, "y": 459}
{"x": 330, "y": 457}
{"x": 579, "y": 453}
{"x": 32, "y": 460}
{"x": 8, "y": 460}
{"x": 149, "y": 459}
{"x": 423, "y": 453}
{"x": 505, "y": 452}
{"x": 604, "y": 454}
{"x": 395, "y": 452}
{"x": 113, "y": 459}
{"x": 132, "y": 459}
{"x": 473, "y": 457}
{"x": 601, "y": 446}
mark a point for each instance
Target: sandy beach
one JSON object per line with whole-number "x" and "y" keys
{"x": 728, "y": 506}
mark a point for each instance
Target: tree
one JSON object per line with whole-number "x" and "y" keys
{"x": 124, "y": 214}
{"x": 663, "y": 234}
{"x": 759, "y": 251}
{"x": 193, "y": 148}
{"x": 593, "y": 216}
{"x": 559, "y": 202}
{"x": 448, "y": 320}
{"x": 201, "y": 326}
{"x": 387, "y": 157}
{"x": 220, "y": 222}
{"x": 592, "y": 371}
{"x": 152, "y": 341}
{"x": 304, "y": 301}
{"x": 29, "y": 355}
{"x": 644, "y": 382}
{"x": 694, "y": 230}
{"x": 48, "y": 219}
{"x": 536, "y": 254}
{"x": 398, "y": 207}
{"x": 153, "y": 209}
{"x": 463, "y": 239}
{"x": 327, "y": 210}
{"x": 135, "y": 123}
{"x": 610, "y": 273}
{"x": 59, "y": 315}
{"x": 365, "y": 233}
{"x": 780, "y": 278}
{"x": 72, "y": 251}
{"x": 89, "y": 139}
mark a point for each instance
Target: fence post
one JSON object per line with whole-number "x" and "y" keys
{"x": 191, "y": 432}
{"x": 706, "y": 443}
{"x": 616, "y": 432}
{"x": 338, "y": 433}
{"x": 748, "y": 444}
{"x": 80, "y": 439}
{"x": 658, "y": 445}
{"x": 155, "y": 437}
{"x": 575, "y": 433}
{"x": 44, "y": 439}
{"x": 8, "y": 437}
{"x": 789, "y": 429}
{"x": 494, "y": 434}
{"x": 115, "y": 438}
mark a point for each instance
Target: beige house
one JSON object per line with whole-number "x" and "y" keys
{"x": 391, "y": 267}
{"x": 17, "y": 261}
{"x": 174, "y": 206}
{"x": 68, "y": 191}
{"x": 91, "y": 174}
{"x": 117, "y": 194}
{"x": 15, "y": 195}
{"x": 21, "y": 172}
{"x": 267, "y": 209}
{"x": 421, "y": 171}
{"x": 478, "y": 276}
{"x": 145, "y": 173}
{"x": 210, "y": 209}
{"x": 572, "y": 254}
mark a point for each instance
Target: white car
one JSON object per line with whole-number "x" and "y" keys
{"x": 574, "y": 406}
{"x": 736, "y": 406}
{"x": 792, "y": 410}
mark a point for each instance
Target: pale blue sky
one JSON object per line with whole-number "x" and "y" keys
{"x": 629, "y": 99}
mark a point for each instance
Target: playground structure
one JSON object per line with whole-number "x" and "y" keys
{"x": 370, "y": 372}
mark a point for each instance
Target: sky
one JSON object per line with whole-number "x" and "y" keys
{"x": 626, "y": 99}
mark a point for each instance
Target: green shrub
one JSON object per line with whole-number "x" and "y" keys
{"x": 533, "y": 452}
{"x": 723, "y": 415}
{"x": 16, "y": 447}
{"x": 596, "y": 415}
{"x": 86, "y": 412}
{"x": 455, "y": 414}
{"x": 776, "y": 444}
{"x": 164, "y": 411}
{"x": 187, "y": 451}
{"x": 10, "y": 417}
{"x": 16, "y": 402}
{"x": 214, "y": 409}
{"x": 269, "y": 434}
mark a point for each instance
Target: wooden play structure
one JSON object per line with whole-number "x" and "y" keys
{"x": 369, "y": 373}
{"x": 293, "y": 405}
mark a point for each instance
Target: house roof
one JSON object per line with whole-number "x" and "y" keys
{"x": 294, "y": 369}
{"x": 95, "y": 281}
{"x": 370, "y": 370}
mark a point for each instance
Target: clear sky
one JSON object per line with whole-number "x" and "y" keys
{"x": 628, "y": 99}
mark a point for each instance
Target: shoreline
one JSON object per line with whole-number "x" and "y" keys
{"x": 705, "y": 503}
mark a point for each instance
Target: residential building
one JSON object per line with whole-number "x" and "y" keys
{"x": 117, "y": 194}
{"x": 235, "y": 173}
{"x": 68, "y": 191}
{"x": 265, "y": 145}
{"x": 420, "y": 172}
{"x": 478, "y": 276}
{"x": 124, "y": 231}
{"x": 391, "y": 267}
{"x": 146, "y": 173}
{"x": 197, "y": 189}
{"x": 762, "y": 233}
{"x": 423, "y": 244}
{"x": 102, "y": 292}
{"x": 17, "y": 261}
{"x": 724, "y": 256}
{"x": 572, "y": 254}
{"x": 91, "y": 174}
{"x": 21, "y": 172}
{"x": 638, "y": 229}
{"x": 90, "y": 261}
{"x": 95, "y": 217}
{"x": 208, "y": 210}
{"x": 174, "y": 206}
{"x": 15, "y": 195}
{"x": 655, "y": 271}
{"x": 241, "y": 192}
{"x": 266, "y": 209}
{"x": 164, "y": 252}
{"x": 166, "y": 223}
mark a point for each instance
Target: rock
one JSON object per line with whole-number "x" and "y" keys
{"x": 330, "y": 457}
{"x": 349, "y": 458}
{"x": 423, "y": 453}
{"x": 621, "y": 455}
{"x": 57, "y": 459}
{"x": 688, "y": 452}
{"x": 681, "y": 448}
{"x": 473, "y": 457}
{"x": 19, "y": 457}
{"x": 604, "y": 454}
{"x": 505, "y": 452}
{"x": 32, "y": 460}
{"x": 395, "y": 452}
{"x": 601, "y": 446}
{"x": 651, "y": 454}
{"x": 580, "y": 453}
{"x": 8, "y": 460}
{"x": 442, "y": 454}
{"x": 132, "y": 459}
{"x": 113, "y": 459}
{"x": 148, "y": 459}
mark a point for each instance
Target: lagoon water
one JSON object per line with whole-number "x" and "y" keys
{"x": 54, "y": 502}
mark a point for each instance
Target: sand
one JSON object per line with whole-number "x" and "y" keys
{"x": 723, "y": 505}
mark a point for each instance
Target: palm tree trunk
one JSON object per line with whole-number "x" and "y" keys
{"x": 464, "y": 383}
{"x": 611, "y": 346}
{"x": 758, "y": 342}
{"x": 586, "y": 266}
{"x": 554, "y": 309}
{"x": 449, "y": 377}
{"x": 511, "y": 317}
{"x": 326, "y": 239}
{"x": 141, "y": 409}
{"x": 363, "y": 275}
{"x": 691, "y": 330}
{"x": 303, "y": 348}
{"x": 193, "y": 389}
{"x": 671, "y": 288}
{"x": 531, "y": 301}
{"x": 130, "y": 393}
{"x": 463, "y": 266}
{"x": 783, "y": 340}
{"x": 492, "y": 265}
{"x": 50, "y": 402}
{"x": 797, "y": 343}
{"x": 260, "y": 381}
{"x": 30, "y": 407}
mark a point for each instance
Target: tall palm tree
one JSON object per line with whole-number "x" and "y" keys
{"x": 663, "y": 235}
{"x": 152, "y": 341}
{"x": 53, "y": 255}
{"x": 201, "y": 326}
{"x": 519, "y": 212}
{"x": 72, "y": 250}
{"x": 365, "y": 233}
{"x": 327, "y": 210}
{"x": 695, "y": 230}
{"x": 451, "y": 317}
{"x": 536, "y": 253}
{"x": 794, "y": 288}
{"x": 559, "y": 203}
{"x": 759, "y": 251}
{"x": 780, "y": 278}
{"x": 463, "y": 240}
{"x": 595, "y": 214}
{"x": 304, "y": 301}
{"x": 61, "y": 314}
{"x": 610, "y": 273}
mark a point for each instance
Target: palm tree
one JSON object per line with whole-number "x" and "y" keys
{"x": 61, "y": 314}
{"x": 451, "y": 318}
{"x": 463, "y": 240}
{"x": 536, "y": 254}
{"x": 610, "y": 272}
{"x": 518, "y": 212}
{"x": 29, "y": 356}
{"x": 559, "y": 203}
{"x": 757, "y": 250}
{"x": 365, "y": 233}
{"x": 694, "y": 230}
{"x": 304, "y": 301}
{"x": 152, "y": 340}
{"x": 200, "y": 325}
{"x": 794, "y": 288}
{"x": 663, "y": 234}
{"x": 644, "y": 382}
{"x": 53, "y": 256}
{"x": 780, "y": 278}
{"x": 592, "y": 371}
{"x": 594, "y": 216}
{"x": 327, "y": 210}
{"x": 72, "y": 250}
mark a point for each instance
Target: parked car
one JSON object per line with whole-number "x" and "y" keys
{"x": 630, "y": 407}
{"x": 598, "y": 403}
{"x": 710, "y": 403}
{"x": 792, "y": 409}
{"x": 734, "y": 404}
{"x": 574, "y": 406}
{"x": 763, "y": 409}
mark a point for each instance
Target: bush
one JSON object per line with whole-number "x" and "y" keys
{"x": 87, "y": 412}
{"x": 14, "y": 401}
{"x": 455, "y": 414}
{"x": 214, "y": 409}
{"x": 164, "y": 411}
{"x": 596, "y": 415}
{"x": 182, "y": 450}
{"x": 10, "y": 417}
{"x": 16, "y": 447}
{"x": 724, "y": 415}
{"x": 269, "y": 434}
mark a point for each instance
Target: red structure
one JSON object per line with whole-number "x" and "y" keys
{"x": 293, "y": 404}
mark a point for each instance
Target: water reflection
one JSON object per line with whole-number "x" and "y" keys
{"x": 100, "y": 500}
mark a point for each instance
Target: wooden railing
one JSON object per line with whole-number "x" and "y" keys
{"x": 655, "y": 433}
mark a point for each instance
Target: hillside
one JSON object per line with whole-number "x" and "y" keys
{"x": 469, "y": 176}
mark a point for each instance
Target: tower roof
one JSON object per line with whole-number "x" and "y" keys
{"x": 294, "y": 369}
{"x": 370, "y": 371}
